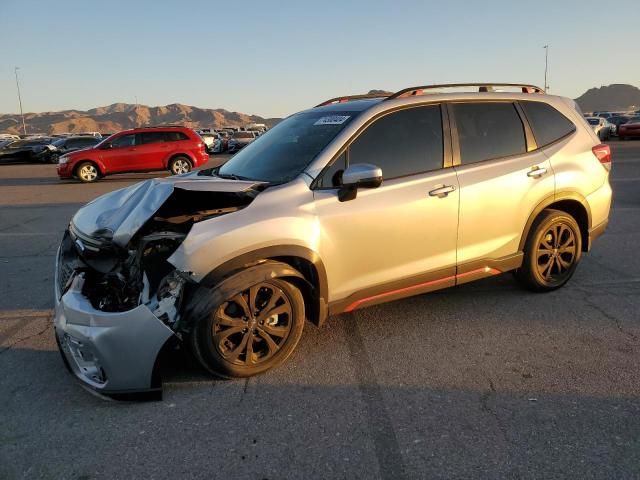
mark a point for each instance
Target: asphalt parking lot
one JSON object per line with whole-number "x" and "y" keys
{"x": 484, "y": 380}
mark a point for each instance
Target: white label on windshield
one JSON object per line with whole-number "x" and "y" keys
{"x": 332, "y": 120}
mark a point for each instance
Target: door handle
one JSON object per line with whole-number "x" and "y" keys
{"x": 537, "y": 172}
{"x": 442, "y": 192}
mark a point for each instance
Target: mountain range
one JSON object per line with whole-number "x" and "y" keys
{"x": 615, "y": 97}
{"x": 120, "y": 116}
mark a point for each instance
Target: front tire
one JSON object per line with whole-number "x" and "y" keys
{"x": 87, "y": 172}
{"x": 254, "y": 329}
{"x": 180, "y": 165}
{"x": 552, "y": 252}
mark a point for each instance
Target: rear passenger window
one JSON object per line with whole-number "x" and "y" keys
{"x": 547, "y": 123}
{"x": 175, "y": 136}
{"x": 488, "y": 130}
{"x": 402, "y": 143}
{"x": 152, "y": 137}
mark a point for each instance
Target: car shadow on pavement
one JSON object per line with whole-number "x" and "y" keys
{"x": 347, "y": 405}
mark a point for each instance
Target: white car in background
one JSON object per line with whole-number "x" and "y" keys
{"x": 210, "y": 139}
{"x": 600, "y": 126}
{"x": 8, "y": 136}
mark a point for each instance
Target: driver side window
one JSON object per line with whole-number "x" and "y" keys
{"x": 402, "y": 143}
{"x": 124, "y": 141}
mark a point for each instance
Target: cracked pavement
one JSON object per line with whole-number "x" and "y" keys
{"x": 480, "y": 381}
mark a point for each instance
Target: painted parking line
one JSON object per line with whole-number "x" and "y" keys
{"x": 29, "y": 234}
{"x": 18, "y": 314}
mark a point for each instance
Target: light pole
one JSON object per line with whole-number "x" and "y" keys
{"x": 546, "y": 66}
{"x": 24, "y": 126}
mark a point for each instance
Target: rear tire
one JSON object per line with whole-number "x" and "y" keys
{"x": 179, "y": 165}
{"x": 254, "y": 329}
{"x": 87, "y": 172}
{"x": 551, "y": 253}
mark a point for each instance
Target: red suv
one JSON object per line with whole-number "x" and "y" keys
{"x": 177, "y": 149}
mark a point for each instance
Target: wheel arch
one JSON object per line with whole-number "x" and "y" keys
{"x": 97, "y": 163}
{"x": 173, "y": 155}
{"x": 571, "y": 203}
{"x": 312, "y": 282}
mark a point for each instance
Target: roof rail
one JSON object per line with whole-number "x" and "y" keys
{"x": 349, "y": 98}
{"x": 482, "y": 87}
{"x": 159, "y": 126}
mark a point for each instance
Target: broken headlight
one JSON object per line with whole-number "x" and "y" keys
{"x": 168, "y": 297}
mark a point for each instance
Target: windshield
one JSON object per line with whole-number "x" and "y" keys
{"x": 59, "y": 142}
{"x": 594, "y": 121}
{"x": 283, "y": 152}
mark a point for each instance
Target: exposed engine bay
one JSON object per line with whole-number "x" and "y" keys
{"x": 118, "y": 276}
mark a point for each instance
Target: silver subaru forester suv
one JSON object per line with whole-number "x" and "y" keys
{"x": 358, "y": 201}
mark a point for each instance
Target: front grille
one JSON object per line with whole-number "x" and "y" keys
{"x": 64, "y": 274}
{"x": 66, "y": 262}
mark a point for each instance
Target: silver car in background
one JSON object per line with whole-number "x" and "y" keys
{"x": 600, "y": 127}
{"x": 241, "y": 139}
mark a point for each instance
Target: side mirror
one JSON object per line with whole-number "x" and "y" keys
{"x": 360, "y": 175}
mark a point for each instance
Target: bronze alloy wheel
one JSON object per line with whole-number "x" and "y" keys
{"x": 251, "y": 327}
{"x": 556, "y": 252}
{"x": 255, "y": 320}
{"x": 551, "y": 252}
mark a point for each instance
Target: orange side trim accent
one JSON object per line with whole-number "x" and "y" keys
{"x": 357, "y": 303}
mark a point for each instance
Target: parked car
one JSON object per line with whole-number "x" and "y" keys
{"x": 210, "y": 139}
{"x": 25, "y": 150}
{"x": 61, "y": 146}
{"x": 600, "y": 127}
{"x": 613, "y": 129}
{"x": 225, "y": 135}
{"x": 342, "y": 206}
{"x": 617, "y": 121}
{"x": 88, "y": 134}
{"x": 9, "y": 136}
{"x": 176, "y": 149}
{"x": 630, "y": 129}
{"x": 217, "y": 145}
{"x": 5, "y": 142}
{"x": 239, "y": 140}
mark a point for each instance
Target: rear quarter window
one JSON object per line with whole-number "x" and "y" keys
{"x": 175, "y": 136}
{"x": 547, "y": 123}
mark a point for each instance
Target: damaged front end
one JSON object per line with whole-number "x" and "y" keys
{"x": 118, "y": 298}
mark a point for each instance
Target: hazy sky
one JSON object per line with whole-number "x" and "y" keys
{"x": 274, "y": 57}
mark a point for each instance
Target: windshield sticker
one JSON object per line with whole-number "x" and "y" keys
{"x": 332, "y": 120}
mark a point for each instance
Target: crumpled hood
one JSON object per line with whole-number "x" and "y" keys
{"x": 118, "y": 215}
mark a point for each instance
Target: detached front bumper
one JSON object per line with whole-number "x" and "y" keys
{"x": 110, "y": 352}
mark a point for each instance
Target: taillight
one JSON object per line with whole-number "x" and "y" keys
{"x": 603, "y": 154}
